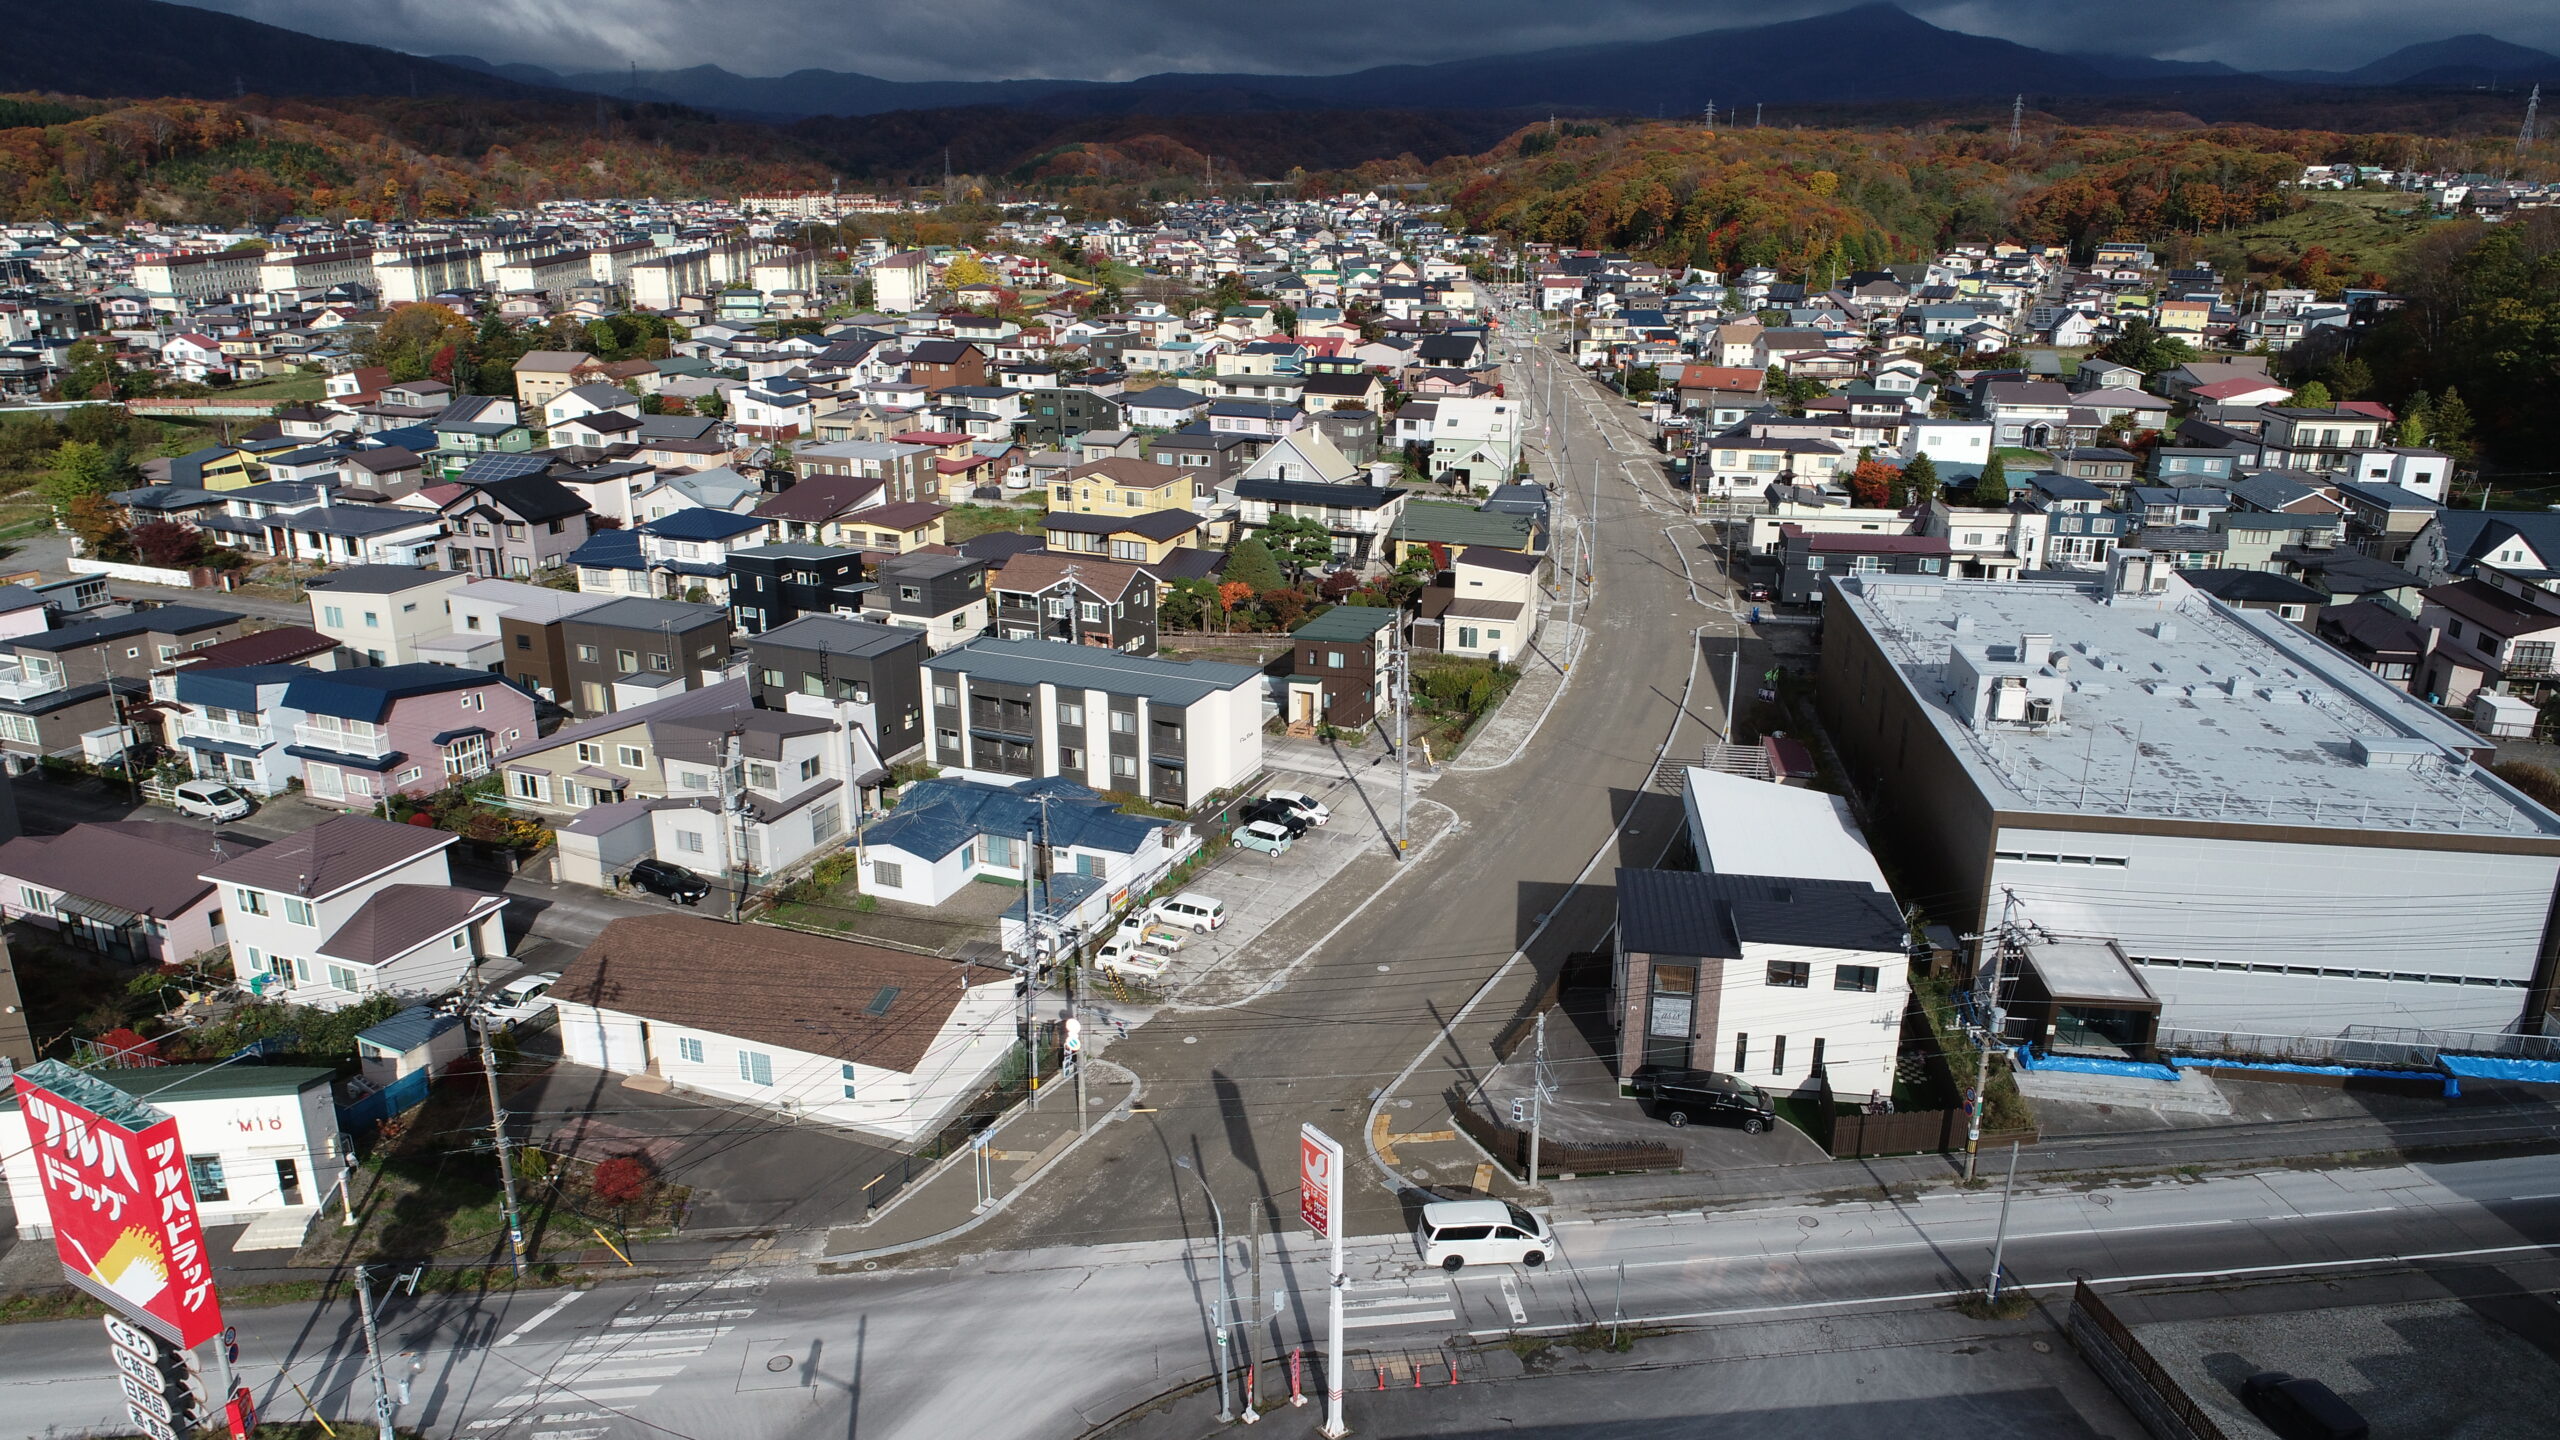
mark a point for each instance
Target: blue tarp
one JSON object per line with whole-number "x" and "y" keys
{"x": 2028, "y": 1059}
{"x": 2487, "y": 1067}
{"x": 2452, "y": 1087}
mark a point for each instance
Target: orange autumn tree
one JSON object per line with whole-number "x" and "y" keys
{"x": 1874, "y": 484}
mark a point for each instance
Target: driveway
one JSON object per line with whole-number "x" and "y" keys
{"x": 750, "y": 1169}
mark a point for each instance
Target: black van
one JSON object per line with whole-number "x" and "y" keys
{"x": 2300, "y": 1409}
{"x": 1680, "y": 1096}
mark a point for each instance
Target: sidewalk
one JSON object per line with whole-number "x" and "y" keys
{"x": 1020, "y": 1148}
{"x": 1545, "y": 667}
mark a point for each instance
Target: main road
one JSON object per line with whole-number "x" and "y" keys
{"x": 1047, "y": 1343}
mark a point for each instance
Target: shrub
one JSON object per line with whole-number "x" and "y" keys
{"x": 623, "y": 1180}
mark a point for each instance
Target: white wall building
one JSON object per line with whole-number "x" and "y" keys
{"x": 1171, "y": 730}
{"x": 261, "y": 1140}
{"x": 355, "y": 907}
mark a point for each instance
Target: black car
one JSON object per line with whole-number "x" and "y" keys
{"x": 1276, "y": 813}
{"x": 672, "y": 881}
{"x": 2300, "y": 1409}
{"x": 1680, "y": 1096}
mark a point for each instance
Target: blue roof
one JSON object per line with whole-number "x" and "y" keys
{"x": 420, "y": 438}
{"x": 936, "y": 817}
{"x": 610, "y": 550}
{"x": 219, "y": 747}
{"x": 1066, "y": 892}
{"x": 236, "y": 687}
{"x": 409, "y": 1029}
{"x": 367, "y": 694}
{"x": 699, "y": 524}
{"x": 166, "y": 620}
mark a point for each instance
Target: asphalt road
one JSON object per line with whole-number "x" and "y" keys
{"x": 1229, "y": 1087}
{"x": 1049, "y": 1343}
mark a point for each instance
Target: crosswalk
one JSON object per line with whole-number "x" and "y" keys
{"x": 1380, "y": 1304}
{"x": 634, "y": 1354}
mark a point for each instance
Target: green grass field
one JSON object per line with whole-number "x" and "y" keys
{"x": 297, "y": 386}
{"x": 2358, "y": 227}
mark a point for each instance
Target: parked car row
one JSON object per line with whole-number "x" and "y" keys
{"x": 1274, "y": 822}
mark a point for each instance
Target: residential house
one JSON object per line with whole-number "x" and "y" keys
{"x": 233, "y": 723}
{"x": 947, "y": 833}
{"x": 1172, "y": 731}
{"x": 2316, "y": 439}
{"x": 945, "y": 596}
{"x": 1339, "y": 662}
{"x": 1121, "y": 485}
{"x": 775, "y": 584}
{"x": 864, "y": 676}
{"x": 379, "y": 613}
{"x": 2455, "y": 542}
{"x": 369, "y": 734}
{"x": 1073, "y": 598}
{"x": 819, "y": 507}
{"x": 2033, "y": 413}
{"x": 1166, "y": 407}
{"x": 687, "y": 552}
{"x": 636, "y": 648}
{"x": 1781, "y": 961}
{"x": 543, "y": 375}
{"x": 1484, "y": 604}
{"x": 1360, "y": 518}
{"x": 1435, "y": 527}
{"x": 2494, "y": 630}
{"x": 515, "y": 630}
{"x": 1808, "y": 561}
{"x": 905, "y": 472}
{"x": 520, "y": 526}
{"x": 939, "y": 364}
{"x": 1155, "y": 540}
{"x": 48, "y": 698}
{"x": 827, "y": 1031}
{"x": 352, "y": 908}
{"x": 1744, "y": 467}
{"x": 2383, "y": 520}
{"x": 127, "y": 889}
{"x": 2378, "y": 636}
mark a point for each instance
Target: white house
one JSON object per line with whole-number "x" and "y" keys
{"x": 261, "y": 1140}
{"x": 1781, "y": 961}
{"x": 355, "y": 907}
{"x": 880, "y": 1041}
{"x": 1171, "y": 730}
{"x": 946, "y": 833}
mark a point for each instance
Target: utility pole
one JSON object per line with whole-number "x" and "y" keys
{"x": 1402, "y": 659}
{"x": 1732, "y": 683}
{"x": 733, "y": 805}
{"x": 1217, "y": 1218}
{"x": 1994, "y": 1021}
{"x": 384, "y": 1408}
{"x": 2000, "y": 1236}
{"x": 1538, "y": 1098}
{"x": 1032, "y": 897}
{"x": 497, "y": 1125}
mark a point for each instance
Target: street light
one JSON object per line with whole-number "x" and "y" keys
{"x": 1226, "y": 1408}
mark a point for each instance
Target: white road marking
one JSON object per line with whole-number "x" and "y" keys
{"x": 629, "y": 1322}
{"x": 554, "y": 1308}
{"x": 697, "y": 1286}
{"x": 2547, "y": 1195}
{"x": 601, "y": 1354}
{"x": 661, "y": 1337}
{"x": 587, "y": 1434}
{"x": 626, "y": 1392}
{"x": 604, "y": 1371}
{"x": 1511, "y": 1297}
{"x": 1420, "y": 1317}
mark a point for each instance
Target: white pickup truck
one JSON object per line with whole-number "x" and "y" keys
{"x": 1139, "y": 930}
{"x": 1127, "y": 957}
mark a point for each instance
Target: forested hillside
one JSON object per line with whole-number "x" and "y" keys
{"x": 252, "y": 161}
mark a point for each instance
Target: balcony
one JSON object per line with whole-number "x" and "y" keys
{"x": 18, "y": 683}
{"x": 367, "y": 744}
{"x": 226, "y": 730}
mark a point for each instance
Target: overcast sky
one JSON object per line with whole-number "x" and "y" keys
{"x": 1119, "y": 39}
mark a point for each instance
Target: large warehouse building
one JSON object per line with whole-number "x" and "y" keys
{"x": 2191, "y": 805}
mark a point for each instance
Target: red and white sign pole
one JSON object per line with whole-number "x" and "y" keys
{"x": 1320, "y": 1205}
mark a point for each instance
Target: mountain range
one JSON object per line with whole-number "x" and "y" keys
{"x": 1872, "y": 54}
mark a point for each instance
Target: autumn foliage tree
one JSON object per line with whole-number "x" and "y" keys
{"x": 1875, "y": 484}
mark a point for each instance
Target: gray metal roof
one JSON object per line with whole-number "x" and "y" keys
{"x": 1056, "y": 662}
{"x": 838, "y": 635}
{"x": 637, "y": 612}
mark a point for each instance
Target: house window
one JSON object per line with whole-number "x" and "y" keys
{"x": 590, "y": 754}
{"x": 297, "y": 912}
{"x": 810, "y": 767}
{"x": 34, "y": 901}
{"x": 1741, "y": 1051}
{"x": 1124, "y": 767}
{"x": 689, "y": 1049}
{"x": 769, "y": 677}
{"x": 525, "y": 785}
{"x": 658, "y": 663}
{"x": 249, "y": 902}
{"x": 1861, "y": 978}
{"x": 945, "y": 695}
{"x": 342, "y": 978}
{"x": 761, "y": 775}
{"x": 1778, "y": 1056}
{"x": 1070, "y": 715}
{"x": 1124, "y": 722}
{"x": 848, "y": 1080}
{"x": 825, "y": 823}
{"x": 888, "y": 875}
{"x": 689, "y": 841}
{"x": 630, "y": 757}
{"x": 755, "y": 1067}
{"x": 1790, "y": 974}
{"x": 587, "y": 652}
{"x": 332, "y": 615}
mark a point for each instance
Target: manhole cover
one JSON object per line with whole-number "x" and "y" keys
{"x": 1808, "y": 1222}
{"x": 2044, "y": 1347}
{"x": 1190, "y": 1039}
{"x": 780, "y": 1363}
{"x": 2102, "y": 1201}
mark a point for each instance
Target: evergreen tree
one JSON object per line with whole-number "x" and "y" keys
{"x": 1251, "y": 563}
{"x": 1920, "y": 479}
{"x": 1992, "y": 491}
{"x": 2449, "y": 424}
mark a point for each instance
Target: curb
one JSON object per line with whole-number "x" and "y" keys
{"x": 1137, "y": 1092}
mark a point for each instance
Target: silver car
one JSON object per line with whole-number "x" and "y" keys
{"x": 210, "y": 799}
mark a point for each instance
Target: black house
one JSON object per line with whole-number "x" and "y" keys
{"x": 1051, "y": 418}
{"x": 943, "y": 595}
{"x": 773, "y": 585}
{"x": 858, "y": 672}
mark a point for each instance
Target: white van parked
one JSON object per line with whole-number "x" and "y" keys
{"x": 1201, "y": 913}
{"x": 1457, "y": 1233}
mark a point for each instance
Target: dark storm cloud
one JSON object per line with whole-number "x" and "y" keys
{"x": 1118, "y": 39}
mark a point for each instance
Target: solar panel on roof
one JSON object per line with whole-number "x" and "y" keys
{"x": 503, "y": 465}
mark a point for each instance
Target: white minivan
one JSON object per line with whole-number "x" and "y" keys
{"x": 1457, "y": 1233}
{"x": 1201, "y": 913}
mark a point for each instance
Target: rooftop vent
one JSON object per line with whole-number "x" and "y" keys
{"x": 2165, "y": 630}
{"x": 2380, "y": 752}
